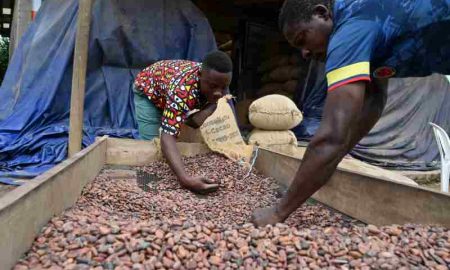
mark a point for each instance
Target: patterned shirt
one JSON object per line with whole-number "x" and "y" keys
{"x": 173, "y": 86}
{"x": 388, "y": 38}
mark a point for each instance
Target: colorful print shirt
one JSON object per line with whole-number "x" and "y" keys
{"x": 388, "y": 38}
{"x": 173, "y": 86}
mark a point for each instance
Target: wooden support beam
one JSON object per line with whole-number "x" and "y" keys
{"x": 79, "y": 76}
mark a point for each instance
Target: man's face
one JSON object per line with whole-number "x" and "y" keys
{"x": 214, "y": 84}
{"x": 311, "y": 37}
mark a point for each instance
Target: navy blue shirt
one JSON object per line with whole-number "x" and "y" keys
{"x": 388, "y": 38}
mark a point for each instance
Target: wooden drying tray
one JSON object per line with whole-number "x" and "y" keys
{"x": 371, "y": 199}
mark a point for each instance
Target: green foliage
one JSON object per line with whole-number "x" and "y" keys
{"x": 4, "y": 56}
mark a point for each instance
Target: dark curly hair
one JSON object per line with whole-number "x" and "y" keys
{"x": 218, "y": 61}
{"x": 299, "y": 10}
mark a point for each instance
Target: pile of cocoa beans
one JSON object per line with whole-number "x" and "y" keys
{"x": 118, "y": 224}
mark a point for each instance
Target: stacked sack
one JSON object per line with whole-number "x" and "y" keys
{"x": 280, "y": 75}
{"x": 224, "y": 42}
{"x": 273, "y": 116}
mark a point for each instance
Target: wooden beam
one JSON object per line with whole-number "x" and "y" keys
{"x": 26, "y": 209}
{"x": 79, "y": 76}
{"x": 368, "y": 198}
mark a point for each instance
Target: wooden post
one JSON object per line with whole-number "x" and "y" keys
{"x": 21, "y": 20}
{"x": 79, "y": 76}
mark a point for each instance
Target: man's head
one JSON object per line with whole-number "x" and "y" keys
{"x": 307, "y": 25}
{"x": 215, "y": 77}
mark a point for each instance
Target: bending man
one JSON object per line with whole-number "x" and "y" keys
{"x": 168, "y": 94}
{"x": 364, "y": 43}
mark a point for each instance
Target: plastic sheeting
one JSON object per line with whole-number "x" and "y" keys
{"x": 310, "y": 99}
{"x": 402, "y": 139}
{"x": 126, "y": 36}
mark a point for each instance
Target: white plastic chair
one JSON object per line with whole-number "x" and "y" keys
{"x": 443, "y": 142}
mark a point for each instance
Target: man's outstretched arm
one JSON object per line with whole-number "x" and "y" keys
{"x": 197, "y": 184}
{"x": 337, "y": 134}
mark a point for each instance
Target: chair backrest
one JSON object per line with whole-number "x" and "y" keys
{"x": 443, "y": 141}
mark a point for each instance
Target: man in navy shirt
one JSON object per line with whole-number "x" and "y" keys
{"x": 364, "y": 43}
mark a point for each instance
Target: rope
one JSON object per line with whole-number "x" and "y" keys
{"x": 255, "y": 155}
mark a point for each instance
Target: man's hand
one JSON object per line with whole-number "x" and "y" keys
{"x": 197, "y": 184}
{"x": 338, "y": 132}
{"x": 265, "y": 216}
{"x": 197, "y": 119}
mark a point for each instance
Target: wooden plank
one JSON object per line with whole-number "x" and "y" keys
{"x": 26, "y": 209}
{"x": 79, "y": 76}
{"x": 371, "y": 199}
{"x": 138, "y": 153}
{"x": 348, "y": 164}
{"x": 4, "y": 189}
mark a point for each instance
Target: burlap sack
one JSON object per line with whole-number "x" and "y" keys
{"x": 273, "y": 62}
{"x": 290, "y": 86}
{"x": 226, "y": 46}
{"x": 294, "y": 73}
{"x": 286, "y": 149}
{"x": 221, "y": 133}
{"x": 294, "y": 59}
{"x": 281, "y": 93}
{"x": 265, "y": 78}
{"x": 282, "y": 73}
{"x": 274, "y": 112}
{"x": 286, "y": 94}
{"x": 268, "y": 138}
{"x": 270, "y": 88}
{"x": 222, "y": 37}
{"x": 283, "y": 60}
{"x": 242, "y": 111}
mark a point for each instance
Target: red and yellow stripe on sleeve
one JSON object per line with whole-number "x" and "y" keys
{"x": 355, "y": 72}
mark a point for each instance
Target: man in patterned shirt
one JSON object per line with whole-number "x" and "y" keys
{"x": 170, "y": 93}
{"x": 364, "y": 43}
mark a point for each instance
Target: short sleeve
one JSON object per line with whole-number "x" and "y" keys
{"x": 174, "y": 113}
{"x": 350, "y": 52}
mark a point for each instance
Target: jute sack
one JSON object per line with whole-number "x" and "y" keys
{"x": 294, "y": 73}
{"x": 286, "y": 94}
{"x": 242, "y": 111}
{"x": 270, "y": 88}
{"x": 273, "y": 62}
{"x": 294, "y": 59}
{"x": 265, "y": 78}
{"x": 274, "y": 112}
{"x": 268, "y": 138}
{"x": 286, "y": 149}
{"x": 221, "y": 133}
{"x": 290, "y": 86}
{"x": 282, "y": 74}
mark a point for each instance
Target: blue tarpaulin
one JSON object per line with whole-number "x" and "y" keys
{"x": 310, "y": 99}
{"x": 126, "y": 36}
